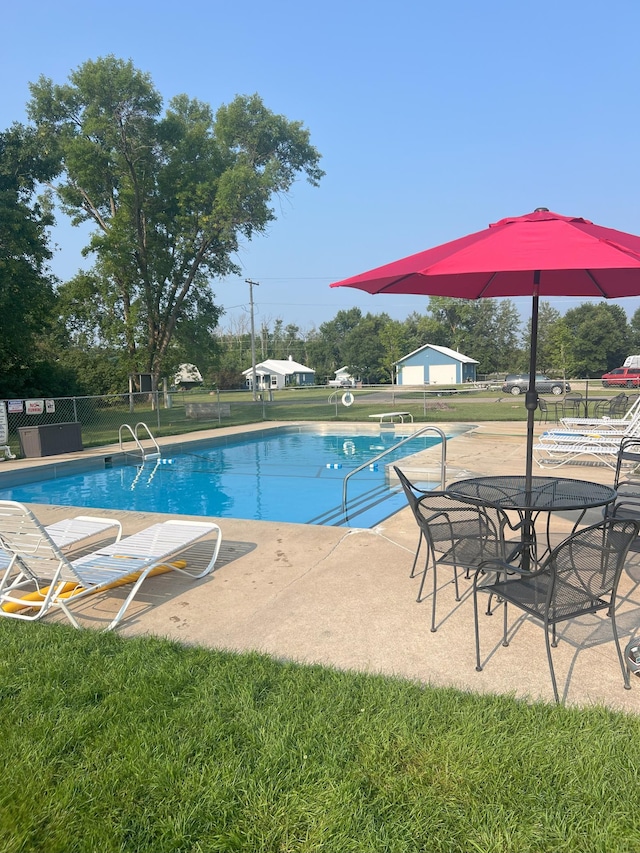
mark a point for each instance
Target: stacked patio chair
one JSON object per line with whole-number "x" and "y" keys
{"x": 40, "y": 577}
{"x": 456, "y": 534}
{"x": 618, "y": 416}
{"x": 580, "y": 576}
{"x": 599, "y": 441}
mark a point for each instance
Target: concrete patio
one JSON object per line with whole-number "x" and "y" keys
{"x": 343, "y": 598}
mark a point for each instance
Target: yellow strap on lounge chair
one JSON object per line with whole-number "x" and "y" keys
{"x": 70, "y": 589}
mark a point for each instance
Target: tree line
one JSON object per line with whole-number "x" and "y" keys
{"x": 169, "y": 195}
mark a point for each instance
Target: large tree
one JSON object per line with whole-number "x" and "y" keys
{"x": 27, "y": 299}
{"x": 170, "y": 196}
{"x": 599, "y": 335}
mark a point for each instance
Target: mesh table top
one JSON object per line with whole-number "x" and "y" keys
{"x": 551, "y": 494}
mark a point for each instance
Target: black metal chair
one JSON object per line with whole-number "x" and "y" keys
{"x": 573, "y": 404}
{"x": 545, "y": 409}
{"x": 456, "y": 534}
{"x": 613, "y": 408}
{"x": 626, "y": 482}
{"x": 579, "y": 576}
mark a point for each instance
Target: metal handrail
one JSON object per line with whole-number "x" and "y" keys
{"x": 443, "y": 459}
{"x": 134, "y": 435}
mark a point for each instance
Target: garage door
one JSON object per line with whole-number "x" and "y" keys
{"x": 413, "y": 375}
{"x": 442, "y": 374}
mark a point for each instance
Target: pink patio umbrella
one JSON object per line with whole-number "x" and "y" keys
{"x": 540, "y": 254}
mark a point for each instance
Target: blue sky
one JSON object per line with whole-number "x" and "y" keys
{"x": 433, "y": 120}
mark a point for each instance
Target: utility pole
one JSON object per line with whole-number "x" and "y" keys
{"x": 253, "y": 336}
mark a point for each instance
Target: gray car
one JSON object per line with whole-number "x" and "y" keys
{"x": 517, "y": 383}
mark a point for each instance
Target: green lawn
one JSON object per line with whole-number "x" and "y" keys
{"x": 145, "y": 745}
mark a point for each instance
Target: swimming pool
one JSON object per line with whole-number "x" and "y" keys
{"x": 289, "y": 474}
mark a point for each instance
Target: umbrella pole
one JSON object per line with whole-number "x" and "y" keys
{"x": 531, "y": 404}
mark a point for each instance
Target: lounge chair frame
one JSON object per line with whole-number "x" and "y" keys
{"x": 39, "y": 568}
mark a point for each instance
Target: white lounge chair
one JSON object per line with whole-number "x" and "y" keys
{"x": 553, "y": 452}
{"x": 4, "y": 433}
{"x": 601, "y": 431}
{"x": 38, "y": 580}
{"x": 605, "y": 423}
{"x": 66, "y": 534}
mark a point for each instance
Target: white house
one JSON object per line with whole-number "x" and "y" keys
{"x": 342, "y": 378}
{"x": 433, "y": 365}
{"x": 275, "y": 373}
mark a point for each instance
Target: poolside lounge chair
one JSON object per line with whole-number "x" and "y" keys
{"x": 51, "y": 580}
{"x": 4, "y": 433}
{"x": 611, "y": 420}
{"x": 557, "y": 447}
{"x": 580, "y": 576}
{"x": 602, "y": 427}
{"x": 552, "y": 452}
{"x": 66, "y": 534}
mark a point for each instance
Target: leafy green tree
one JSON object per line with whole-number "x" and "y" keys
{"x": 454, "y": 315}
{"x": 29, "y": 332}
{"x": 326, "y": 349}
{"x": 560, "y": 358}
{"x": 364, "y": 351}
{"x": 634, "y": 332}
{"x": 600, "y": 337}
{"x": 169, "y": 196}
{"x": 422, "y": 329}
{"x": 395, "y": 344}
{"x": 484, "y": 329}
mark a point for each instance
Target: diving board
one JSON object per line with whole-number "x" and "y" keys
{"x": 390, "y": 416}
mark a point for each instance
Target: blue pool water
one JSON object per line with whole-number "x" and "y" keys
{"x": 285, "y": 475}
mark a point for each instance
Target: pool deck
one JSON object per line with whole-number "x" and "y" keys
{"x": 343, "y": 597}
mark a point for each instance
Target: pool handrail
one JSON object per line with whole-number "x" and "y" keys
{"x": 443, "y": 459}
{"x": 155, "y": 454}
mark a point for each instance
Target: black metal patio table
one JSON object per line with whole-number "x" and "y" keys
{"x": 547, "y": 495}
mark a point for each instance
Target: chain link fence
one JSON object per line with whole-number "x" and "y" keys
{"x": 100, "y": 419}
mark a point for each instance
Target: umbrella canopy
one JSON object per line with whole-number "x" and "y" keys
{"x": 539, "y": 254}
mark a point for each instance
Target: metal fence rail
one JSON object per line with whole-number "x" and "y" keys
{"x": 175, "y": 413}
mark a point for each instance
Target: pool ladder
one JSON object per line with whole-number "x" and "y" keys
{"x": 144, "y": 453}
{"x": 443, "y": 460}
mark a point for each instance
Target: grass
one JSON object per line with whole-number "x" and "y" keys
{"x": 145, "y": 745}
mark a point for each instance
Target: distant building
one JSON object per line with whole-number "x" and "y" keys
{"x": 343, "y": 378}
{"x": 275, "y": 373}
{"x": 187, "y": 376}
{"x": 433, "y": 365}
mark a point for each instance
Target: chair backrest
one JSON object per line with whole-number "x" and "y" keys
{"x": 21, "y": 534}
{"x": 443, "y": 517}
{"x": 626, "y": 480}
{"x": 628, "y": 461}
{"x": 587, "y": 566}
{"x": 618, "y": 406}
{"x": 412, "y": 493}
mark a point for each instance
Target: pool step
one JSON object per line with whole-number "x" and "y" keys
{"x": 364, "y": 510}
